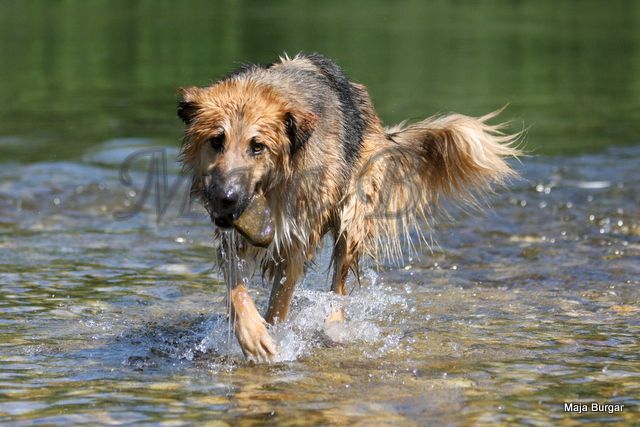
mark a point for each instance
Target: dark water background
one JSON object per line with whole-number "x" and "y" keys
{"x": 514, "y": 312}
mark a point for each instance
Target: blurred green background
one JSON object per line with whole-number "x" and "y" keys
{"x": 77, "y": 73}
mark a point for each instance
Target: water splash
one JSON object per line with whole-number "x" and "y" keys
{"x": 366, "y": 309}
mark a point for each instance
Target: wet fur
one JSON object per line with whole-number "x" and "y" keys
{"x": 331, "y": 166}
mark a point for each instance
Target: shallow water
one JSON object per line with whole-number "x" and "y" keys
{"x": 111, "y": 309}
{"x": 513, "y": 313}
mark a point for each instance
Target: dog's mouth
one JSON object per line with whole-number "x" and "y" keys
{"x": 224, "y": 222}
{"x": 254, "y": 223}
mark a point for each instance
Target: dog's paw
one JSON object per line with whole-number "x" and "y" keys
{"x": 336, "y": 315}
{"x": 255, "y": 341}
{"x": 334, "y": 331}
{"x": 250, "y": 327}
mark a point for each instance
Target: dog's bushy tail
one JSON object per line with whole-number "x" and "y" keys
{"x": 453, "y": 156}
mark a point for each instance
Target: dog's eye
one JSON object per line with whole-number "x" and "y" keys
{"x": 217, "y": 142}
{"x": 256, "y": 147}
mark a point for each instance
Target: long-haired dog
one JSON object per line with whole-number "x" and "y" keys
{"x": 307, "y": 140}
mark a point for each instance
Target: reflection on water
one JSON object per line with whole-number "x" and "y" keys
{"x": 75, "y": 74}
{"x": 511, "y": 314}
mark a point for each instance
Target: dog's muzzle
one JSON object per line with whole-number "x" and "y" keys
{"x": 226, "y": 203}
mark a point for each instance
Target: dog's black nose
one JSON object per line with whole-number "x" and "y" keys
{"x": 227, "y": 201}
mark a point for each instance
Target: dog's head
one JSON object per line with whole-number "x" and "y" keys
{"x": 240, "y": 139}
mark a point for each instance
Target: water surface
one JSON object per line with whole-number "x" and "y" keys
{"x": 111, "y": 318}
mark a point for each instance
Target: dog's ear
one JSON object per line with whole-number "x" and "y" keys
{"x": 187, "y": 105}
{"x": 299, "y": 127}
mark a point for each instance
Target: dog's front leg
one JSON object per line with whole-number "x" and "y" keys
{"x": 250, "y": 327}
{"x": 284, "y": 283}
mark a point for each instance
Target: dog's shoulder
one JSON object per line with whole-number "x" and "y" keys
{"x": 353, "y": 100}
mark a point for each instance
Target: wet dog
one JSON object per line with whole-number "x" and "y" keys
{"x": 302, "y": 136}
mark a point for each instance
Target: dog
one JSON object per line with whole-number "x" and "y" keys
{"x": 304, "y": 137}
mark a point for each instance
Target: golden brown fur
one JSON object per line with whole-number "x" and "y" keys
{"x": 326, "y": 165}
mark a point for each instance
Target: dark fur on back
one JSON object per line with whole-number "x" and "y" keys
{"x": 353, "y": 123}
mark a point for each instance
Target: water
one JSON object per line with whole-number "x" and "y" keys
{"x": 121, "y": 319}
